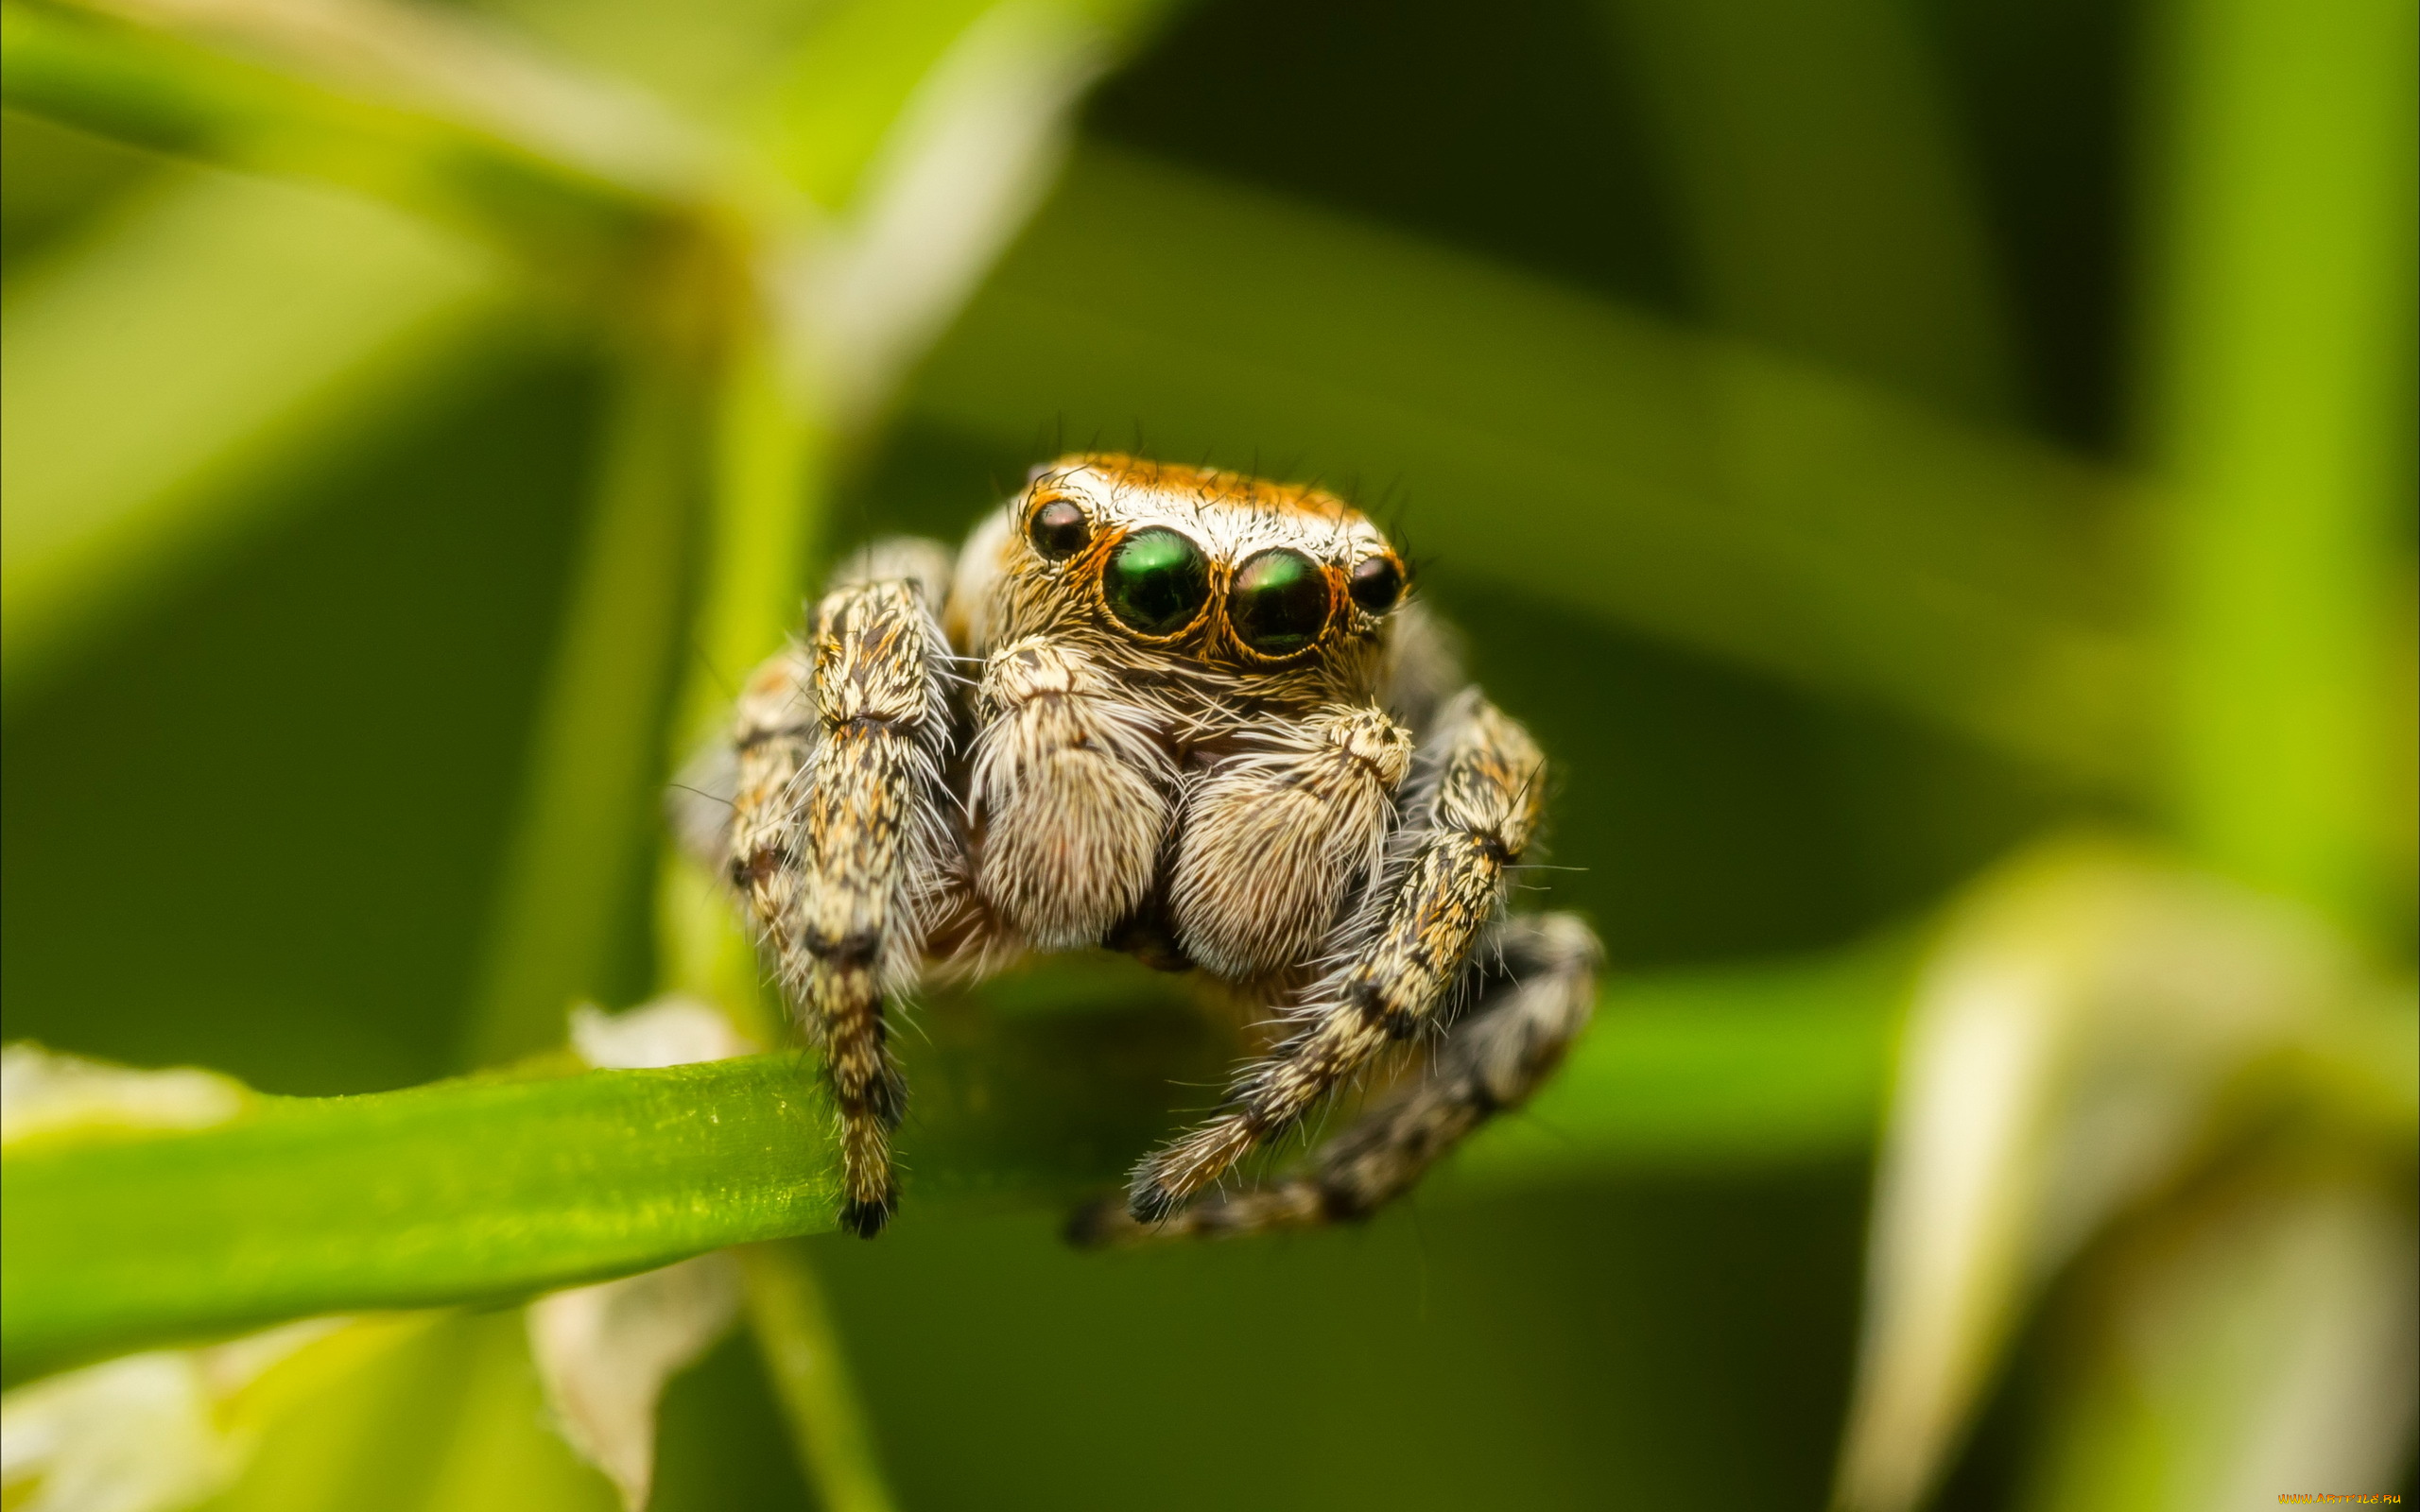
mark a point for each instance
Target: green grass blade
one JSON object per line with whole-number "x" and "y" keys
{"x": 581, "y": 203}
{"x": 2281, "y": 398}
{"x": 463, "y": 1190}
{"x": 584, "y": 838}
{"x": 1572, "y": 451}
{"x": 490, "y": 1188}
{"x": 770, "y": 465}
{"x": 810, "y": 1375}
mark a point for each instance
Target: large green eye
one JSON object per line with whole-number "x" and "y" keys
{"x": 1156, "y": 581}
{"x": 1279, "y": 603}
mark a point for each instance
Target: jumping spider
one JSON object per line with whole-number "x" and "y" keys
{"x": 1201, "y": 724}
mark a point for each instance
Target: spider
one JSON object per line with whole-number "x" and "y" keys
{"x": 1198, "y": 721}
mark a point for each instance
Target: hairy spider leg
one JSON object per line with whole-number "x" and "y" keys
{"x": 840, "y": 842}
{"x": 1470, "y": 808}
{"x": 1531, "y": 986}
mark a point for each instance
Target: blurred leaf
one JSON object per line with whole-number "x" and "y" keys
{"x": 206, "y": 333}
{"x": 604, "y": 1352}
{"x": 500, "y": 1455}
{"x": 313, "y": 1425}
{"x": 155, "y": 1431}
{"x": 1559, "y": 447}
{"x": 305, "y": 1423}
{"x": 42, "y": 1092}
{"x": 958, "y": 179}
{"x": 712, "y": 59}
{"x": 2280, "y": 406}
{"x": 53, "y": 179}
{"x": 2255, "y": 1338}
{"x": 2082, "y": 1034}
{"x": 404, "y": 102}
{"x": 1822, "y": 187}
{"x": 849, "y": 81}
{"x": 865, "y": 60}
{"x": 962, "y": 166}
{"x": 435, "y": 1410}
{"x": 769, "y": 459}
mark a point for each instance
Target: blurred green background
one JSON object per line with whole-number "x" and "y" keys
{"x": 1489, "y": 270}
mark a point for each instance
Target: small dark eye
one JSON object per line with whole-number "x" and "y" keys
{"x": 1156, "y": 581}
{"x": 1376, "y": 584}
{"x": 1279, "y": 603}
{"x": 1059, "y": 530}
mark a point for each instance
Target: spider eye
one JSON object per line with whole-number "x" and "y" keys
{"x": 1156, "y": 581}
{"x": 1376, "y": 584}
{"x": 1279, "y": 602}
{"x": 1059, "y": 530}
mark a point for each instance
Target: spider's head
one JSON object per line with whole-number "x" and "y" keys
{"x": 1198, "y": 563}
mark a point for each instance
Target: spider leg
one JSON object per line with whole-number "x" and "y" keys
{"x": 839, "y": 842}
{"x": 1469, "y": 810}
{"x": 1532, "y": 986}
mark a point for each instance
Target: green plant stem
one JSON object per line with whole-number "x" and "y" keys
{"x": 578, "y": 857}
{"x": 493, "y": 1187}
{"x": 771, "y": 458}
{"x": 461, "y": 1190}
{"x": 809, "y": 1372}
{"x": 2280, "y": 387}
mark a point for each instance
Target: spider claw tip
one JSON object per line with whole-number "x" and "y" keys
{"x": 1152, "y": 1202}
{"x": 867, "y": 1219}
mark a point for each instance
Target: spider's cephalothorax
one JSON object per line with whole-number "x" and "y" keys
{"x": 1178, "y": 713}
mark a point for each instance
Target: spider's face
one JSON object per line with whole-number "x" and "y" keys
{"x": 1195, "y": 565}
